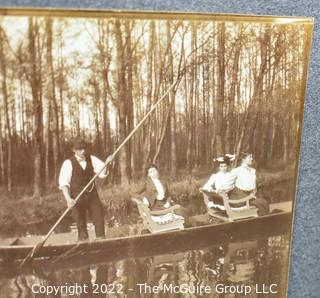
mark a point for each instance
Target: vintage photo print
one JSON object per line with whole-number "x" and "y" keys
{"x": 148, "y": 154}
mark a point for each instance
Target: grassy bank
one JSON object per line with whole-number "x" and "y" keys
{"x": 19, "y": 210}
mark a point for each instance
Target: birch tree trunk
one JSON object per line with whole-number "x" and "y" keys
{"x": 121, "y": 100}
{"x": 220, "y": 90}
{"x": 3, "y": 64}
{"x": 231, "y": 98}
{"x": 35, "y": 84}
{"x": 190, "y": 112}
{"x": 147, "y": 137}
{"x": 52, "y": 100}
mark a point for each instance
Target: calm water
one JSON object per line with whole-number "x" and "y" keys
{"x": 234, "y": 268}
{"x": 221, "y": 268}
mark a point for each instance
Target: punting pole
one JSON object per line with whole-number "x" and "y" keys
{"x": 37, "y": 247}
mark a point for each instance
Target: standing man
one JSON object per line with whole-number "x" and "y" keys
{"x": 75, "y": 174}
{"x": 246, "y": 183}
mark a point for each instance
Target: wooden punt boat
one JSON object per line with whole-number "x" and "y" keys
{"x": 129, "y": 243}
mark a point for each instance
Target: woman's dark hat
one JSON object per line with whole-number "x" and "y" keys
{"x": 150, "y": 167}
{"x": 224, "y": 159}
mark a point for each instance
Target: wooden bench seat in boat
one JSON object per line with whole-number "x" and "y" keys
{"x": 160, "y": 220}
{"x": 224, "y": 211}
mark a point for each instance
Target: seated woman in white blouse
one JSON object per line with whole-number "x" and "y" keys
{"x": 221, "y": 182}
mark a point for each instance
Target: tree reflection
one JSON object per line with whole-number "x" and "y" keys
{"x": 257, "y": 261}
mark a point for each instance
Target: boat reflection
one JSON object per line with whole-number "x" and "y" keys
{"x": 249, "y": 262}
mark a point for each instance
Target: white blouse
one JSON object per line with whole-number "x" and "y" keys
{"x": 245, "y": 177}
{"x": 221, "y": 182}
{"x": 159, "y": 188}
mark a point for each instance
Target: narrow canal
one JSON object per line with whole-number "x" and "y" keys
{"x": 245, "y": 266}
{"x": 248, "y": 268}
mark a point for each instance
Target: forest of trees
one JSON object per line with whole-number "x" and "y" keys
{"x": 234, "y": 86}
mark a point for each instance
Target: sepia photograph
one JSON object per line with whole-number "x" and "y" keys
{"x": 148, "y": 154}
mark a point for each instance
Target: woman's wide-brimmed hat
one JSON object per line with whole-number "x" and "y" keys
{"x": 227, "y": 158}
{"x": 244, "y": 155}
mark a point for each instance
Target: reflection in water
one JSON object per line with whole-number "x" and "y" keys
{"x": 251, "y": 262}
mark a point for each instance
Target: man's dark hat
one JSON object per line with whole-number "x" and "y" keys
{"x": 78, "y": 143}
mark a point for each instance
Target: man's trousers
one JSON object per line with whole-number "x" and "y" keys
{"x": 89, "y": 203}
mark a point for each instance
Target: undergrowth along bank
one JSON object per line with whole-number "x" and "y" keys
{"x": 116, "y": 199}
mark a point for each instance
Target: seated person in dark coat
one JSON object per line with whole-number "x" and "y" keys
{"x": 154, "y": 192}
